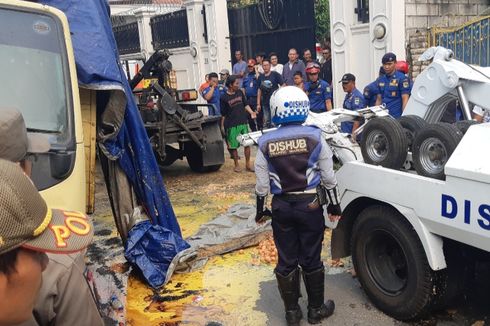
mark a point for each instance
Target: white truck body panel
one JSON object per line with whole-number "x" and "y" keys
{"x": 471, "y": 159}
{"x": 458, "y": 208}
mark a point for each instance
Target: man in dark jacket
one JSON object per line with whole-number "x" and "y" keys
{"x": 293, "y": 66}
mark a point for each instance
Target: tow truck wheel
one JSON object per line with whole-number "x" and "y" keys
{"x": 194, "y": 158}
{"x": 432, "y": 148}
{"x": 411, "y": 124}
{"x": 384, "y": 143}
{"x": 391, "y": 264}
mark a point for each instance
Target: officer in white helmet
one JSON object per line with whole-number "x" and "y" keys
{"x": 294, "y": 164}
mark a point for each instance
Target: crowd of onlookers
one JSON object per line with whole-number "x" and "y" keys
{"x": 242, "y": 98}
{"x": 255, "y": 79}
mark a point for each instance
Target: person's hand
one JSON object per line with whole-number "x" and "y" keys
{"x": 259, "y": 107}
{"x": 353, "y": 138}
{"x": 253, "y": 115}
{"x": 334, "y": 218}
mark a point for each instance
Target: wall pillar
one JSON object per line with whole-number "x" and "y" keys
{"x": 211, "y": 53}
{"x": 355, "y": 48}
{"x": 143, "y": 16}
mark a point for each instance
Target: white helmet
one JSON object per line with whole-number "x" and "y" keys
{"x": 289, "y": 104}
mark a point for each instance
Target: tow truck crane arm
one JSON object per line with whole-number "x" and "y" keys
{"x": 157, "y": 61}
{"x": 444, "y": 80}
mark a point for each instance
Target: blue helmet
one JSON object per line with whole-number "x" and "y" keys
{"x": 289, "y": 104}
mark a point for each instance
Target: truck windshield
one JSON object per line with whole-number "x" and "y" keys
{"x": 32, "y": 78}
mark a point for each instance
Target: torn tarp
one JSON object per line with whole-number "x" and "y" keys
{"x": 152, "y": 248}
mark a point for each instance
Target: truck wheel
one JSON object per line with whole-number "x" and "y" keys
{"x": 411, "y": 124}
{"x": 194, "y": 158}
{"x": 464, "y": 125}
{"x": 391, "y": 264}
{"x": 432, "y": 148}
{"x": 384, "y": 143}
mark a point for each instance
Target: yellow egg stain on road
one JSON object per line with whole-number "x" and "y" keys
{"x": 219, "y": 292}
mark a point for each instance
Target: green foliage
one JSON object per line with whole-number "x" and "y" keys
{"x": 241, "y": 3}
{"x": 322, "y": 16}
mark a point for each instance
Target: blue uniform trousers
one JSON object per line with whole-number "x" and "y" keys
{"x": 298, "y": 234}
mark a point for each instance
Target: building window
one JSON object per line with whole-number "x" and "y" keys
{"x": 362, "y": 11}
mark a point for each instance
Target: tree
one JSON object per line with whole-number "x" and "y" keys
{"x": 322, "y": 17}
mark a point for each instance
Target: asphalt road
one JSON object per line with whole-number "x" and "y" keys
{"x": 352, "y": 305}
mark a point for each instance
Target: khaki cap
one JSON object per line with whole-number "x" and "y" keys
{"x": 26, "y": 221}
{"x": 15, "y": 141}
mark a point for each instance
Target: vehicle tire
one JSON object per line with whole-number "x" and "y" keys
{"x": 194, "y": 158}
{"x": 432, "y": 148}
{"x": 390, "y": 263}
{"x": 464, "y": 125}
{"x": 411, "y": 125}
{"x": 384, "y": 143}
{"x": 213, "y": 168}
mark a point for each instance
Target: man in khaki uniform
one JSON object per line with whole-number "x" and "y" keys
{"x": 65, "y": 297}
{"x": 28, "y": 230}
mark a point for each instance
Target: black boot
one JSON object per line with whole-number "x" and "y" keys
{"x": 289, "y": 289}
{"x": 315, "y": 285}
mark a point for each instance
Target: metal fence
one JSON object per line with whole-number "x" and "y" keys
{"x": 170, "y": 30}
{"x": 470, "y": 42}
{"x": 127, "y": 38}
{"x": 285, "y": 24}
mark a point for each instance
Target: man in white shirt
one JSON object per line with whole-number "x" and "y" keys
{"x": 275, "y": 65}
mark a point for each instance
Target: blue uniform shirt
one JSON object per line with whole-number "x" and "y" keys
{"x": 251, "y": 85}
{"x": 214, "y": 100}
{"x": 391, "y": 89}
{"x": 353, "y": 101}
{"x": 370, "y": 93}
{"x": 222, "y": 89}
{"x": 318, "y": 95}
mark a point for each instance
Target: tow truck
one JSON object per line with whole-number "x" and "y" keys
{"x": 416, "y": 205}
{"x": 176, "y": 127}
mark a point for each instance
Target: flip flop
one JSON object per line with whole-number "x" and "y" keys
{"x": 237, "y": 169}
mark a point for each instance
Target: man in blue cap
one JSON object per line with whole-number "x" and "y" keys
{"x": 354, "y": 100}
{"x": 394, "y": 87}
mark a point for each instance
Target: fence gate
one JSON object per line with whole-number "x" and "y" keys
{"x": 470, "y": 42}
{"x": 170, "y": 31}
{"x": 127, "y": 38}
{"x": 273, "y": 26}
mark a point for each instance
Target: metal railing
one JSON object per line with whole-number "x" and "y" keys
{"x": 469, "y": 42}
{"x": 127, "y": 38}
{"x": 170, "y": 31}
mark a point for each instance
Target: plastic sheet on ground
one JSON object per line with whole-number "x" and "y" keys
{"x": 152, "y": 248}
{"x": 233, "y": 230}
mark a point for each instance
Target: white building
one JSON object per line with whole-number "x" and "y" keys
{"x": 362, "y": 31}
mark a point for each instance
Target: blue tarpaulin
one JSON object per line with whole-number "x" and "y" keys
{"x": 152, "y": 248}
{"x": 98, "y": 67}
